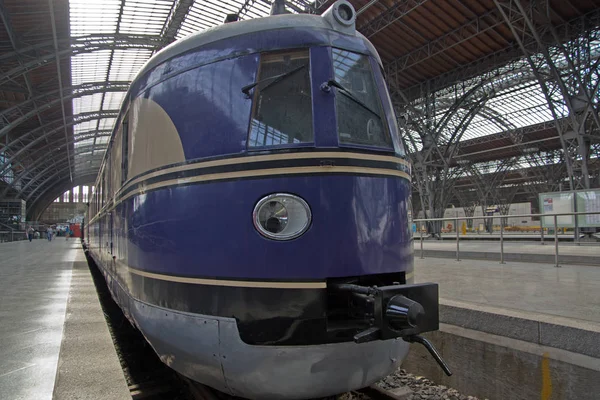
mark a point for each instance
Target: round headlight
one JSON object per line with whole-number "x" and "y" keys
{"x": 281, "y": 216}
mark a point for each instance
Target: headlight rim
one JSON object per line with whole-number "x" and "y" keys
{"x": 276, "y": 236}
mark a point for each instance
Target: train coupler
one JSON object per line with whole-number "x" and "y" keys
{"x": 396, "y": 311}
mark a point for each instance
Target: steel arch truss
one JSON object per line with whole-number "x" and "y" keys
{"x": 44, "y": 199}
{"x": 432, "y": 139}
{"x": 541, "y": 105}
{"x": 37, "y": 161}
{"x": 34, "y": 57}
{"x": 16, "y": 115}
{"x": 568, "y": 73}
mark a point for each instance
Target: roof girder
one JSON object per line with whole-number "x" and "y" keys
{"x": 467, "y": 31}
{"x": 61, "y": 167}
{"x": 43, "y": 200}
{"x": 389, "y": 16}
{"x": 77, "y": 91}
{"x": 80, "y": 45}
{"x": 76, "y": 119}
{"x": 567, "y": 31}
{"x": 178, "y": 14}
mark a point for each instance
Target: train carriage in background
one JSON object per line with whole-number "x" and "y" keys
{"x": 251, "y": 215}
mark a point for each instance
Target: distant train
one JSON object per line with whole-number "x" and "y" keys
{"x": 251, "y": 215}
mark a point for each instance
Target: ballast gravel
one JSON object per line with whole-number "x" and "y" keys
{"x": 422, "y": 388}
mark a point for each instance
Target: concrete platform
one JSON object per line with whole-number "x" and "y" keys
{"x": 520, "y": 251}
{"x": 515, "y": 330}
{"x": 572, "y": 292}
{"x": 53, "y": 337}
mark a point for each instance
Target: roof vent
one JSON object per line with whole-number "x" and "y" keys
{"x": 341, "y": 16}
{"x": 230, "y": 18}
{"x": 278, "y": 7}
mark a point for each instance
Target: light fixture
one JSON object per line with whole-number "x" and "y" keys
{"x": 281, "y": 216}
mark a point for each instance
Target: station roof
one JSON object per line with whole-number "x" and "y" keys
{"x": 57, "y": 116}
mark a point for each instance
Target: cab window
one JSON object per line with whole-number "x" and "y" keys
{"x": 358, "y": 107}
{"x": 282, "y": 106}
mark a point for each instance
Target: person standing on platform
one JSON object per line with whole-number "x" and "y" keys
{"x": 49, "y": 233}
{"x": 30, "y": 233}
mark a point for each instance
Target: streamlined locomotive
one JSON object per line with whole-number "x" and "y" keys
{"x": 251, "y": 215}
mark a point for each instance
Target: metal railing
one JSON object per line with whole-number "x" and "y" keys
{"x": 502, "y": 229}
{"x": 12, "y": 235}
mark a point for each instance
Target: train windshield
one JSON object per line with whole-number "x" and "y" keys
{"x": 282, "y": 107}
{"x": 359, "y": 113}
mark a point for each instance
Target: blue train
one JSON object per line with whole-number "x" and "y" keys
{"x": 251, "y": 215}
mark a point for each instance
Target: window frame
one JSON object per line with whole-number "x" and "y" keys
{"x": 125, "y": 148}
{"x": 381, "y": 108}
{"x": 256, "y": 92}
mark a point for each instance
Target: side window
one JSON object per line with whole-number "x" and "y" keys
{"x": 359, "y": 112}
{"x": 125, "y": 149}
{"x": 99, "y": 194}
{"x": 107, "y": 175}
{"x": 104, "y": 188}
{"x": 282, "y": 106}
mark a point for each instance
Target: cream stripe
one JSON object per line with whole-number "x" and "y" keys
{"x": 267, "y": 172}
{"x": 217, "y": 282}
{"x": 409, "y": 275}
{"x": 261, "y": 172}
{"x": 270, "y": 157}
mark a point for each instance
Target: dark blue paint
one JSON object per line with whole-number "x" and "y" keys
{"x": 256, "y": 42}
{"x": 208, "y": 107}
{"x": 359, "y": 227}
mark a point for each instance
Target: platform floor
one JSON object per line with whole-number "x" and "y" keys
{"x": 39, "y": 284}
{"x": 572, "y": 291}
{"x": 35, "y": 278}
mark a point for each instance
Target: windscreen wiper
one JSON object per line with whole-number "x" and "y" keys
{"x": 277, "y": 78}
{"x": 350, "y": 95}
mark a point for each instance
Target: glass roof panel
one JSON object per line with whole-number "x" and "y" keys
{"x": 106, "y": 123}
{"x": 144, "y": 17}
{"x": 90, "y": 67}
{"x": 208, "y": 13}
{"x": 126, "y": 63}
{"x": 113, "y": 100}
{"x": 83, "y": 143}
{"x": 93, "y": 16}
{"x": 515, "y": 108}
{"x": 85, "y": 127}
{"x": 102, "y": 139}
{"x": 87, "y": 103}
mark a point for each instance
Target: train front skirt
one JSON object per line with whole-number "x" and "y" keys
{"x": 209, "y": 350}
